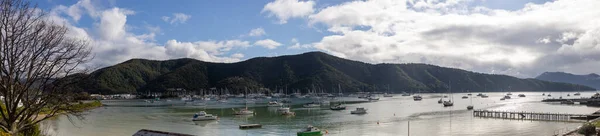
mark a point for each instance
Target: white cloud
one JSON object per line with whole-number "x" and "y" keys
{"x": 296, "y": 45}
{"x": 78, "y": 9}
{"x": 257, "y": 32}
{"x": 267, "y": 43}
{"x": 112, "y": 42}
{"x": 524, "y": 43}
{"x": 177, "y": 18}
{"x": 237, "y": 55}
{"x": 286, "y": 9}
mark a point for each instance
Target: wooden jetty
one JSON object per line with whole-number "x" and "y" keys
{"x": 534, "y": 115}
{"x": 250, "y": 126}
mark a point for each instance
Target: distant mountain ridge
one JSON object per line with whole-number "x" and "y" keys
{"x": 312, "y": 70}
{"x": 592, "y": 80}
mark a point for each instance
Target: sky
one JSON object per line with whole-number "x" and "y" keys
{"x": 521, "y": 38}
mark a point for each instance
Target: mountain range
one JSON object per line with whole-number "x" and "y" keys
{"x": 592, "y": 80}
{"x": 311, "y": 70}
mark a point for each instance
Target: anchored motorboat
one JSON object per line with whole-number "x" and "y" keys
{"x": 309, "y": 131}
{"x": 359, "y": 110}
{"x": 202, "y": 116}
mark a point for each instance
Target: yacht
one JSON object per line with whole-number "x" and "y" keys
{"x": 509, "y": 93}
{"x": 440, "y": 101}
{"x": 309, "y": 131}
{"x": 405, "y": 94}
{"x": 521, "y": 95}
{"x": 568, "y": 94}
{"x": 484, "y": 96}
{"x": 359, "y": 110}
{"x": 244, "y": 111}
{"x": 470, "y": 107}
{"x": 502, "y": 99}
{"x": 465, "y": 97}
{"x": 371, "y": 98}
{"x": 507, "y": 97}
{"x": 576, "y": 94}
{"x": 274, "y": 104}
{"x": 338, "y": 107}
{"x": 417, "y": 98}
{"x": 311, "y": 105}
{"x": 202, "y": 116}
{"x": 282, "y": 109}
{"x": 388, "y": 95}
{"x": 286, "y": 112}
{"x": 448, "y": 103}
{"x": 469, "y": 94}
{"x": 480, "y": 94}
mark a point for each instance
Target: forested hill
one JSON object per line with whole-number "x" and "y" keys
{"x": 303, "y": 72}
{"x": 592, "y": 80}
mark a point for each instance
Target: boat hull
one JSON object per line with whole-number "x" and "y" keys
{"x": 205, "y": 119}
{"x": 317, "y": 133}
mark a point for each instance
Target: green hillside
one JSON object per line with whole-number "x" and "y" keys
{"x": 301, "y": 72}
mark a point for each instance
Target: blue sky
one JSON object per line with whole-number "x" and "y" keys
{"x": 514, "y": 37}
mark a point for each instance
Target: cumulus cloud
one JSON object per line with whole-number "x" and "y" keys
{"x": 523, "y": 43}
{"x": 112, "y": 42}
{"x": 177, "y": 18}
{"x": 267, "y": 43}
{"x": 296, "y": 45}
{"x": 286, "y": 9}
{"x": 257, "y": 32}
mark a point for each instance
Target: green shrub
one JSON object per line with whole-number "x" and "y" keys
{"x": 587, "y": 129}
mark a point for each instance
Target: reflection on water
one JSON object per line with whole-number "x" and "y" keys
{"x": 389, "y": 116}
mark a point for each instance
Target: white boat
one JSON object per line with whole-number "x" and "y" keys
{"x": 338, "y": 107}
{"x": 388, "y": 95}
{"x": 470, "y": 107}
{"x": 405, "y": 94}
{"x": 370, "y": 98}
{"x": 480, "y": 94}
{"x": 244, "y": 111}
{"x": 359, "y": 110}
{"x": 509, "y": 93}
{"x": 286, "y": 111}
{"x": 576, "y": 94}
{"x": 448, "y": 103}
{"x": 484, "y": 96}
{"x": 309, "y": 131}
{"x": 283, "y": 109}
{"x": 202, "y": 116}
{"x": 274, "y": 104}
{"x": 506, "y": 97}
{"x": 417, "y": 98}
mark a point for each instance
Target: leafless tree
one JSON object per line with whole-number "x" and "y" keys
{"x": 35, "y": 56}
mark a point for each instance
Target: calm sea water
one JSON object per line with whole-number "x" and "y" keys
{"x": 395, "y": 116}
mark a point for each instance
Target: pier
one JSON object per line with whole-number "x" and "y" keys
{"x": 534, "y": 115}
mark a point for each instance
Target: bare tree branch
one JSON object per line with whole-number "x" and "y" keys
{"x": 35, "y": 58}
